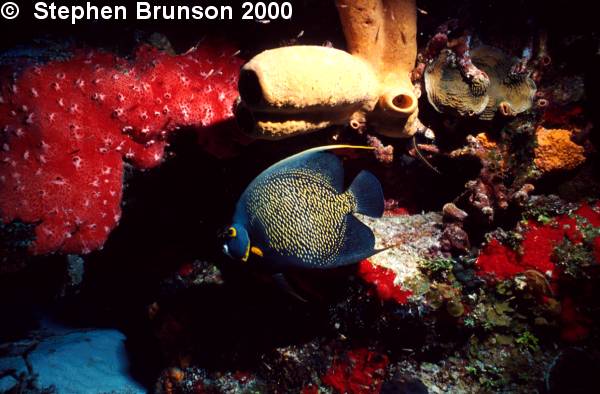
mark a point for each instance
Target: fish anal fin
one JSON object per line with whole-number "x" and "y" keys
{"x": 283, "y": 284}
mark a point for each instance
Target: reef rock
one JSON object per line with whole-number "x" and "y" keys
{"x": 85, "y": 361}
{"x": 409, "y": 239}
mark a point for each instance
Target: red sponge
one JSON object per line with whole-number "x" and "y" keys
{"x": 66, "y": 127}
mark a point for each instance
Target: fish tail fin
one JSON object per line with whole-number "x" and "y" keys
{"x": 368, "y": 194}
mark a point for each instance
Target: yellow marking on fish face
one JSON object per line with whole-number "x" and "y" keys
{"x": 246, "y": 254}
{"x": 231, "y": 232}
{"x": 255, "y": 250}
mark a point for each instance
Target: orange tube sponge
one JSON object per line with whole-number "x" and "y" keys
{"x": 384, "y": 33}
{"x": 555, "y": 150}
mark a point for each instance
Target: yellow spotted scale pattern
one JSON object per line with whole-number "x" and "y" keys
{"x": 302, "y": 214}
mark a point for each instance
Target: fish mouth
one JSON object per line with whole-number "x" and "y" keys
{"x": 226, "y": 251}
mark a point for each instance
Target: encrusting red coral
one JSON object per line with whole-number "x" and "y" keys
{"x": 393, "y": 208}
{"x": 383, "y": 280}
{"x": 539, "y": 241}
{"x": 310, "y": 389}
{"x": 68, "y": 125}
{"x": 362, "y": 371}
{"x": 575, "y": 326}
{"x": 597, "y": 249}
{"x": 498, "y": 260}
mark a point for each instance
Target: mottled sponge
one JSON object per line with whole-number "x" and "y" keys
{"x": 67, "y": 126}
{"x": 449, "y": 91}
{"x": 556, "y": 151}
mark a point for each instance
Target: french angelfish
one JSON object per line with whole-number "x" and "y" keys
{"x": 296, "y": 214}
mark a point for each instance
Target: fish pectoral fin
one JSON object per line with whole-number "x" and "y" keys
{"x": 257, "y": 251}
{"x": 283, "y": 284}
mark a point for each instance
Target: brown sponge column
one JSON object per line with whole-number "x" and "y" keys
{"x": 384, "y": 33}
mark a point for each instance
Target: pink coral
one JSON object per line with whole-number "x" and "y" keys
{"x": 68, "y": 125}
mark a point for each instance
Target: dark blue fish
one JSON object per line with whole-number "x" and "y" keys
{"x": 296, "y": 214}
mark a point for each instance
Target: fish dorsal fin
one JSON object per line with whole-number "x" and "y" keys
{"x": 320, "y": 149}
{"x": 359, "y": 243}
{"x": 319, "y": 160}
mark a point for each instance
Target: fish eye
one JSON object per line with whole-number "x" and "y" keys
{"x": 231, "y": 232}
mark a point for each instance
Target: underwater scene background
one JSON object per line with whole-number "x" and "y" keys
{"x": 127, "y": 148}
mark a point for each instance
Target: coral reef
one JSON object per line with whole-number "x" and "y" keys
{"x": 488, "y": 272}
{"x": 455, "y": 51}
{"x": 68, "y": 125}
{"x": 384, "y": 281}
{"x": 550, "y": 252}
{"x": 447, "y": 91}
{"x": 389, "y": 43}
{"x": 489, "y": 193}
{"x": 196, "y": 380}
{"x": 406, "y": 240}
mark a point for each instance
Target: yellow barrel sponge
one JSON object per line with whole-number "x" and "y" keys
{"x": 299, "y": 89}
{"x": 297, "y": 77}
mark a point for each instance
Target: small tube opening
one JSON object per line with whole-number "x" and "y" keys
{"x": 505, "y": 109}
{"x": 545, "y": 60}
{"x": 402, "y": 101}
{"x": 541, "y": 103}
{"x": 355, "y": 124}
